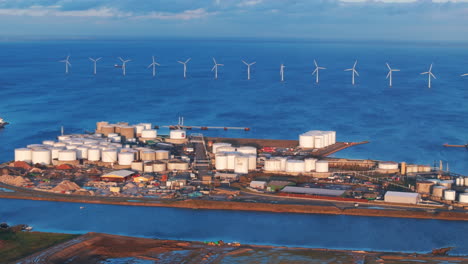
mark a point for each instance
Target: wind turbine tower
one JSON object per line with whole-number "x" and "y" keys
{"x": 429, "y": 75}
{"x": 94, "y": 62}
{"x": 124, "y": 64}
{"x": 67, "y": 63}
{"x": 282, "y": 72}
{"x": 353, "y": 69}
{"x": 215, "y": 68}
{"x": 248, "y": 68}
{"x": 185, "y": 66}
{"x": 316, "y": 71}
{"x": 389, "y": 75}
{"x": 153, "y": 64}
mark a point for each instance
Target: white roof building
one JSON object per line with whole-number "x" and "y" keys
{"x": 258, "y": 184}
{"x": 402, "y": 197}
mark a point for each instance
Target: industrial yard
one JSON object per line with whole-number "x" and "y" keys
{"x": 122, "y": 162}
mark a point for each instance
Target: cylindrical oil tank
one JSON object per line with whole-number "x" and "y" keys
{"x": 97, "y": 135}
{"x": 54, "y": 152}
{"x": 437, "y": 191}
{"x": 41, "y": 156}
{"x": 63, "y": 137}
{"x": 306, "y": 141}
{"x": 148, "y": 167}
{"x": 411, "y": 168}
{"x": 67, "y": 155}
{"x": 449, "y": 195}
{"x": 137, "y": 165}
{"x": 333, "y": 136}
{"x": 82, "y": 152}
{"x": 148, "y": 155}
{"x": 126, "y": 158}
{"x": 295, "y": 166}
{"x": 388, "y": 165}
{"x": 247, "y": 150}
{"x": 424, "y": 168}
{"x": 76, "y": 142}
{"x": 109, "y": 155}
{"x": 110, "y": 135}
{"x": 252, "y": 161}
{"x": 319, "y": 141}
{"x": 147, "y": 125}
{"x": 100, "y": 124}
{"x": 177, "y": 134}
{"x": 23, "y": 154}
{"x": 48, "y": 142}
{"x": 116, "y": 139}
{"x": 177, "y": 165}
{"x": 241, "y": 164}
{"x": 231, "y": 159}
{"x": 221, "y": 161}
{"x": 94, "y": 154}
{"x": 107, "y": 129}
{"x": 127, "y": 131}
{"x": 321, "y": 166}
{"x": 447, "y": 184}
{"x": 139, "y": 128}
{"x": 118, "y": 128}
{"x": 435, "y": 181}
{"x": 283, "y": 161}
{"x": 217, "y": 145}
{"x": 458, "y": 182}
{"x": 466, "y": 181}
{"x": 60, "y": 144}
{"x": 159, "y": 166}
{"x": 326, "y": 138}
{"x": 149, "y": 133}
{"x": 272, "y": 165}
{"x": 309, "y": 164}
{"x": 162, "y": 154}
{"x": 36, "y": 146}
{"x": 225, "y": 149}
{"x": 71, "y": 146}
{"x": 463, "y": 197}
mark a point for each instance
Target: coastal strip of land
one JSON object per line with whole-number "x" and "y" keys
{"x": 245, "y": 206}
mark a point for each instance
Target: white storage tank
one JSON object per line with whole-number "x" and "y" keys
{"x": 126, "y": 158}
{"x": 321, "y": 166}
{"x": 326, "y": 138}
{"x": 109, "y": 155}
{"x": 241, "y": 164}
{"x": 272, "y": 165}
{"x": 71, "y": 146}
{"x": 449, "y": 195}
{"x": 225, "y": 149}
{"x": 318, "y": 141}
{"x": 67, "y": 155}
{"x": 149, "y": 133}
{"x": 82, "y": 152}
{"x": 94, "y": 154}
{"x": 466, "y": 181}
{"x": 148, "y": 167}
{"x": 231, "y": 159}
{"x": 23, "y": 154}
{"x": 463, "y": 197}
{"x": 388, "y": 165}
{"x": 147, "y": 125}
{"x": 54, "y": 152}
{"x": 137, "y": 165}
{"x": 252, "y": 161}
{"x": 48, "y": 142}
{"x": 177, "y": 134}
{"x": 177, "y": 165}
{"x": 219, "y": 144}
{"x": 221, "y": 161}
{"x": 458, "y": 182}
{"x": 295, "y": 166}
{"x": 309, "y": 164}
{"x": 36, "y": 146}
{"x": 162, "y": 154}
{"x": 247, "y": 150}
{"x": 282, "y": 163}
{"x": 60, "y": 144}
{"x": 447, "y": 184}
{"x": 159, "y": 167}
{"x": 139, "y": 128}
{"x": 41, "y": 156}
{"x": 437, "y": 191}
{"x": 148, "y": 155}
{"x": 306, "y": 140}
{"x": 64, "y": 137}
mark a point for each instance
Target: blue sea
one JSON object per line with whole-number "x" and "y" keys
{"x": 407, "y": 122}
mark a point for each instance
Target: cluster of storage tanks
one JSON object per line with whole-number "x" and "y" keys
{"x": 282, "y": 164}
{"x": 240, "y": 160}
{"x": 124, "y": 132}
{"x": 443, "y": 189}
{"x": 317, "y": 139}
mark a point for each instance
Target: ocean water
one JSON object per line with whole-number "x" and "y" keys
{"x": 299, "y": 230}
{"x": 408, "y": 122}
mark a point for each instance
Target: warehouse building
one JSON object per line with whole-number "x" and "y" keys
{"x": 313, "y": 191}
{"x": 402, "y": 197}
{"x": 118, "y": 176}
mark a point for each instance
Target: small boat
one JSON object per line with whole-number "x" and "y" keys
{"x": 3, "y": 123}
{"x": 117, "y": 66}
{"x": 82, "y": 207}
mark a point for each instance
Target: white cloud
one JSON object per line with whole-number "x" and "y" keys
{"x": 185, "y": 15}
{"x": 38, "y": 11}
{"x": 247, "y": 3}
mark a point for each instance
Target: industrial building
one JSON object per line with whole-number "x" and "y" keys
{"x": 402, "y": 197}
{"x": 118, "y": 176}
{"x": 312, "y": 191}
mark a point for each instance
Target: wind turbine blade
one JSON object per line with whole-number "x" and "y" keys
{"x": 253, "y": 63}
{"x": 322, "y": 68}
{"x": 430, "y": 68}
{"x": 150, "y": 65}
{"x": 98, "y": 58}
{"x": 188, "y": 60}
{"x": 220, "y": 64}
{"x": 245, "y": 63}
{"x": 157, "y": 64}
{"x": 424, "y": 73}
{"x": 214, "y": 67}
{"x": 315, "y": 63}
{"x": 433, "y": 76}
{"x": 356, "y": 72}
{"x": 120, "y": 59}
{"x": 355, "y": 63}
{"x": 388, "y": 75}
{"x": 214, "y": 60}
{"x": 348, "y": 70}
{"x": 316, "y": 69}
{"x": 181, "y": 62}
{"x": 396, "y": 70}
{"x": 62, "y": 61}
{"x": 388, "y": 66}
{"x": 90, "y": 59}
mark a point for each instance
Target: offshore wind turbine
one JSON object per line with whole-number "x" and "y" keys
{"x": 215, "y": 68}
{"x": 94, "y": 62}
{"x": 185, "y": 66}
{"x": 248, "y": 68}
{"x": 282, "y": 72}
{"x": 353, "y": 69}
{"x": 67, "y": 63}
{"x": 124, "y": 63}
{"x": 153, "y": 64}
{"x": 316, "y": 71}
{"x": 429, "y": 74}
{"x": 389, "y": 75}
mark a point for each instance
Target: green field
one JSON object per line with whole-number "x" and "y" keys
{"x": 16, "y": 245}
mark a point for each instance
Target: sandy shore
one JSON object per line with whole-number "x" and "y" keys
{"x": 242, "y": 206}
{"x": 96, "y": 248}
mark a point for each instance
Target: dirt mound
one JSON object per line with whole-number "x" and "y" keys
{"x": 21, "y": 164}
{"x": 66, "y": 186}
{"x": 64, "y": 167}
{"x": 14, "y": 180}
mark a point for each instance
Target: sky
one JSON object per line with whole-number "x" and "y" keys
{"x": 395, "y": 20}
